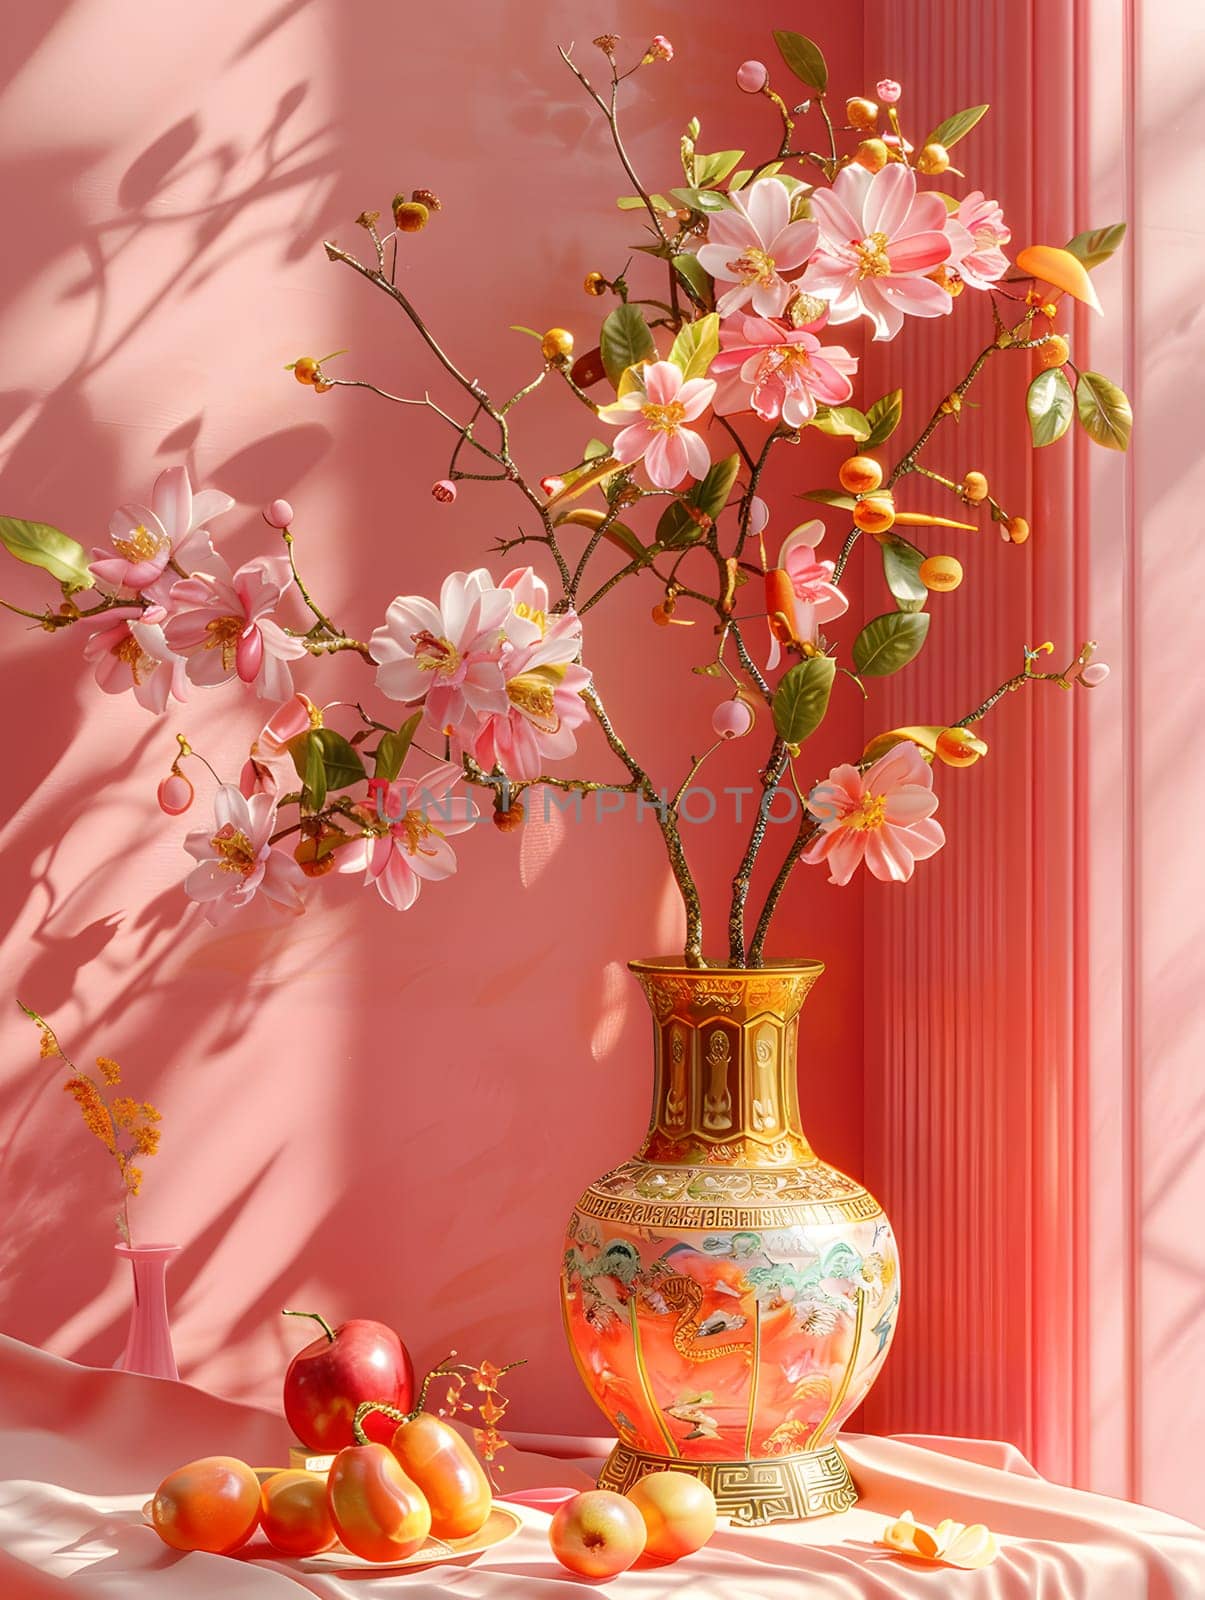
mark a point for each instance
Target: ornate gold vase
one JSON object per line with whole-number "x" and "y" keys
{"x": 729, "y": 1297}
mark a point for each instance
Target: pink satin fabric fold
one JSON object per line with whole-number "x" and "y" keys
{"x": 82, "y": 1449}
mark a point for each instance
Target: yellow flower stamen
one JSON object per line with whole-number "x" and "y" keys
{"x": 533, "y": 695}
{"x": 436, "y": 655}
{"x": 872, "y": 256}
{"x": 664, "y": 419}
{"x": 530, "y": 614}
{"x": 234, "y": 850}
{"x": 224, "y": 634}
{"x": 414, "y": 828}
{"x": 870, "y": 815}
{"x": 141, "y": 664}
{"x": 753, "y": 266}
{"x": 140, "y": 544}
{"x": 109, "y": 1069}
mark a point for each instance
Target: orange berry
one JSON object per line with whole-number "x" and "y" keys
{"x": 933, "y": 158}
{"x": 557, "y": 345}
{"x": 595, "y": 283}
{"x": 1054, "y": 352}
{"x": 871, "y": 154}
{"x": 974, "y": 487}
{"x": 409, "y": 216}
{"x": 508, "y": 818}
{"x": 1017, "y": 529}
{"x": 305, "y": 369}
{"x": 860, "y": 474}
{"x": 861, "y": 113}
{"x": 941, "y": 573}
{"x": 959, "y": 747}
{"x": 875, "y": 514}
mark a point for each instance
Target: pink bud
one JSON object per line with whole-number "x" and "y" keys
{"x": 552, "y": 486}
{"x": 289, "y": 719}
{"x": 732, "y": 719}
{"x": 257, "y": 778}
{"x": 444, "y": 491}
{"x": 888, "y": 91}
{"x": 175, "y": 794}
{"x": 752, "y": 76}
{"x": 759, "y": 515}
{"x": 249, "y": 654}
{"x": 1094, "y": 674}
{"x": 279, "y": 514}
{"x": 659, "y": 49}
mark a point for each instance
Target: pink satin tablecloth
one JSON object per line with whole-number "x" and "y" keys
{"x": 81, "y": 1450}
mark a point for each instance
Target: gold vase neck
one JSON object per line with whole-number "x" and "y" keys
{"x": 724, "y": 1045}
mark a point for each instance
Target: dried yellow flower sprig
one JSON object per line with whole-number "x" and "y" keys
{"x": 127, "y": 1128}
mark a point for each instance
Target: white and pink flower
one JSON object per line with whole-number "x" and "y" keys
{"x": 816, "y": 598}
{"x": 544, "y": 684}
{"x": 978, "y": 259}
{"x": 883, "y": 817}
{"x": 236, "y": 859}
{"x": 656, "y": 411}
{"x": 446, "y": 655}
{"x": 879, "y": 241}
{"x": 753, "y": 245}
{"x": 407, "y": 842}
{"x": 173, "y": 527}
{"x": 129, "y": 651}
{"x": 222, "y": 624}
{"x": 781, "y": 373}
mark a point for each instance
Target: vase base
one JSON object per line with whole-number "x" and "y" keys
{"x": 810, "y": 1483}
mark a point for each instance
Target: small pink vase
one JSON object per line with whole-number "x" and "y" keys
{"x": 149, "y": 1341}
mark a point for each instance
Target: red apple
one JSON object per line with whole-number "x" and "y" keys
{"x": 679, "y": 1513}
{"x": 597, "y": 1534}
{"x": 358, "y": 1360}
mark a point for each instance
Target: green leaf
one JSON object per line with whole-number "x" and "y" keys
{"x": 625, "y": 340}
{"x": 696, "y": 280}
{"x": 710, "y": 495}
{"x": 957, "y": 127}
{"x": 715, "y": 167}
{"x": 843, "y": 422}
{"x": 1097, "y": 245}
{"x": 325, "y": 760}
{"x": 890, "y": 642}
{"x": 884, "y": 418}
{"x": 1104, "y": 411}
{"x": 394, "y": 748}
{"x": 702, "y": 199}
{"x": 830, "y": 497}
{"x": 901, "y": 571}
{"x": 696, "y": 346}
{"x": 801, "y": 699}
{"x": 803, "y": 57}
{"x": 633, "y": 202}
{"x": 40, "y": 545}
{"x": 518, "y": 327}
{"x": 1051, "y": 406}
{"x": 307, "y": 758}
{"x": 738, "y": 180}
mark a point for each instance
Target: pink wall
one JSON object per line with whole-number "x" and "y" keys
{"x": 365, "y": 1113}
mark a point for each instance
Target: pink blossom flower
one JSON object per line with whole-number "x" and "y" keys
{"x": 883, "y": 816}
{"x": 977, "y": 256}
{"x": 878, "y": 241}
{"x": 221, "y": 624}
{"x": 145, "y": 538}
{"x": 779, "y": 372}
{"x": 752, "y": 76}
{"x": 446, "y": 655}
{"x": 544, "y": 683}
{"x": 817, "y": 598}
{"x": 129, "y": 651}
{"x": 236, "y": 859}
{"x": 888, "y": 91}
{"x": 751, "y": 247}
{"x": 407, "y": 834}
{"x": 656, "y": 411}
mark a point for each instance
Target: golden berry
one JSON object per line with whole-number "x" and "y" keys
{"x": 305, "y": 369}
{"x": 941, "y": 573}
{"x": 933, "y": 158}
{"x": 1017, "y": 529}
{"x": 974, "y": 487}
{"x": 409, "y": 216}
{"x": 595, "y": 283}
{"x": 861, "y": 113}
{"x": 959, "y": 747}
{"x": 557, "y": 345}
{"x": 871, "y": 154}
{"x": 875, "y": 514}
{"x": 860, "y": 474}
{"x": 508, "y": 818}
{"x": 1054, "y": 352}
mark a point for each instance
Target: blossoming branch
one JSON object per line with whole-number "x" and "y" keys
{"x": 722, "y": 346}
